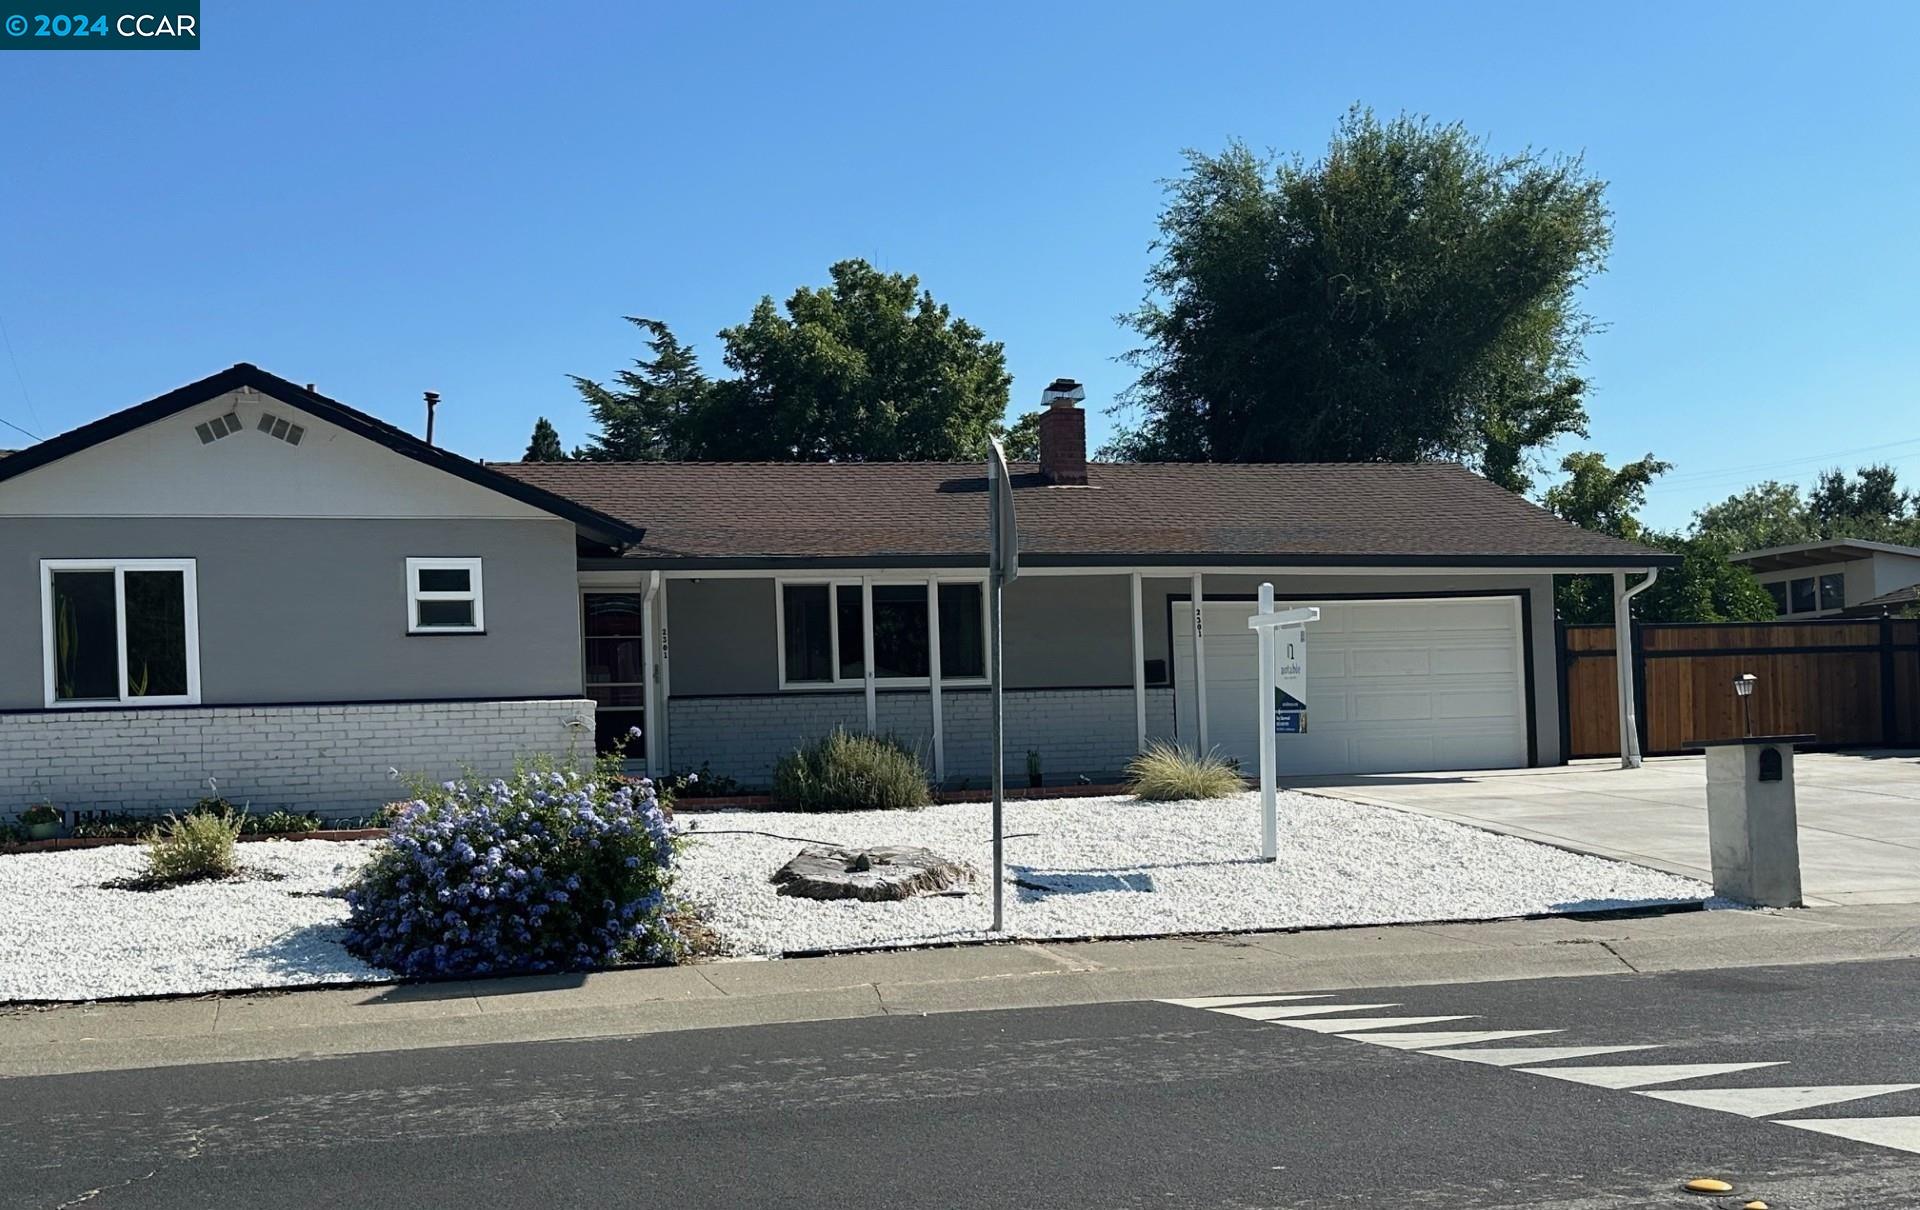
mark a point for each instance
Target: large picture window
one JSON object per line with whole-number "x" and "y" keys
{"x": 825, "y": 628}
{"x": 120, "y": 632}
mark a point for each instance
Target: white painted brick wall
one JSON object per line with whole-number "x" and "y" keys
{"x": 331, "y": 759}
{"x": 1078, "y": 732}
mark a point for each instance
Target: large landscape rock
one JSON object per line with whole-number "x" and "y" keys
{"x": 875, "y": 875}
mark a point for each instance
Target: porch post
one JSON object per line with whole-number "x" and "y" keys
{"x": 1623, "y": 668}
{"x": 659, "y": 728}
{"x": 651, "y": 714}
{"x": 1200, "y": 661}
{"x": 866, "y": 647}
{"x": 933, "y": 681}
{"x": 1139, "y": 669}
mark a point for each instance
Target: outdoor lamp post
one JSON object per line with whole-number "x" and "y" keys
{"x": 1743, "y": 689}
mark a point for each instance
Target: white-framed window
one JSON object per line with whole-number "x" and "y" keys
{"x": 120, "y": 632}
{"x": 825, "y": 630}
{"x": 444, "y": 597}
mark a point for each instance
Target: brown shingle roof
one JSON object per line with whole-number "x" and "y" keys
{"x": 1432, "y": 512}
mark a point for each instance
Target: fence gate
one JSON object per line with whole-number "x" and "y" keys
{"x": 1850, "y": 683}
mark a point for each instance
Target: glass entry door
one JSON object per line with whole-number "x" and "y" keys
{"x": 616, "y": 661}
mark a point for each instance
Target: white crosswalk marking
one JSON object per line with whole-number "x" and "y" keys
{"x": 1231, "y": 1001}
{"x": 1517, "y": 1056}
{"x": 1261, "y": 1012}
{"x": 1347, "y": 1025}
{"x": 1901, "y": 1134}
{"x": 1638, "y": 1077}
{"x": 1765, "y": 1102}
{"x": 1459, "y": 1037}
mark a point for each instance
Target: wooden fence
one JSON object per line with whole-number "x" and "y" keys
{"x": 1848, "y": 683}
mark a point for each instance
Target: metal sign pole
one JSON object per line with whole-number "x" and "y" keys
{"x": 1263, "y": 718}
{"x": 1003, "y": 564}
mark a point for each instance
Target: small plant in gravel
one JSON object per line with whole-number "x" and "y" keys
{"x": 847, "y": 771}
{"x": 550, "y": 869}
{"x": 192, "y": 847}
{"x": 1170, "y": 773}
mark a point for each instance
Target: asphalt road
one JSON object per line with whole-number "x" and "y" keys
{"x": 1117, "y": 1105}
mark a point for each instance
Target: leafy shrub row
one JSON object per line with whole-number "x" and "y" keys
{"x": 547, "y": 870}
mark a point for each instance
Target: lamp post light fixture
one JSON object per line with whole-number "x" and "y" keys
{"x": 1743, "y": 689}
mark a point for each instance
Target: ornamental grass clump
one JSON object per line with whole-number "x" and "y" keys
{"x": 548, "y": 870}
{"x": 847, "y": 771}
{"x": 188, "y": 848}
{"x": 1169, "y": 773}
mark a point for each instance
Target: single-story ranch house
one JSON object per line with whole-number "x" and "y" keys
{"x": 247, "y": 581}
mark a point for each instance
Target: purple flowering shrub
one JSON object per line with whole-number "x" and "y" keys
{"x": 547, "y": 870}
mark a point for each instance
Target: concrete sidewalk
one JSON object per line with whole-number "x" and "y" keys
{"x": 299, "y": 1024}
{"x": 1859, "y": 814}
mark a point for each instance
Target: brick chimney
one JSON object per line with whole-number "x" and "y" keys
{"x": 1063, "y": 434}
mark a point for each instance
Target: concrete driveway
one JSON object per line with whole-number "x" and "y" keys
{"x": 1859, "y": 814}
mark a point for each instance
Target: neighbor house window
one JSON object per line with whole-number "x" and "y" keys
{"x": 1801, "y": 594}
{"x": 1833, "y": 594}
{"x": 120, "y": 632}
{"x": 443, "y": 596}
{"x": 1777, "y": 589}
{"x": 825, "y": 629}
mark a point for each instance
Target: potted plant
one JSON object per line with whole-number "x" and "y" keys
{"x": 1033, "y": 769}
{"x": 42, "y": 821}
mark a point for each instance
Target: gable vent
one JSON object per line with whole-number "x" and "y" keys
{"x": 218, "y": 427}
{"x": 285, "y": 430}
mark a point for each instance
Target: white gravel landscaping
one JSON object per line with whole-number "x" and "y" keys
{"x": 1116, "y": 867}
{"x": 1087, "y": 867}
{"x": 63, "y": 937}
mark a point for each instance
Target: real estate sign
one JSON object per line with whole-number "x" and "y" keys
{"x": 1290, "y": 680}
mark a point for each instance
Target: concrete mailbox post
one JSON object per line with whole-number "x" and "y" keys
{"x": 1752, "y": 824}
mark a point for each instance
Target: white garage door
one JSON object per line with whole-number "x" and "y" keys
{"x": 1392, "y": 686}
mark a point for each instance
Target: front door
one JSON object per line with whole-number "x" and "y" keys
{"x": 615, "y": 661}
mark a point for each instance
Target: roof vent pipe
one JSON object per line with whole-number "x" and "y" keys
{"x": 433, "y": 401}
{"x": 1063, "y": 434}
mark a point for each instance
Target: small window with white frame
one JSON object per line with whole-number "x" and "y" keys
{"x": 120, "y": 632}
{"x": 444, "y": 597}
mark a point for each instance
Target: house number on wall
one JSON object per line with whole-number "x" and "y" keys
{"x": 1199, "y": 623}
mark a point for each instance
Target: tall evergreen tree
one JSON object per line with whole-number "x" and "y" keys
{"x": 545, "y": 443}
{"x": 653, "y": 411}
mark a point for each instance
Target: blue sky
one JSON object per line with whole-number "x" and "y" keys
{"x": 384, "y": 198}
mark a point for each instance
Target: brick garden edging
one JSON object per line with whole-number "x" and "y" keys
{"x": 96, "y": 842}
{"x": 765, "y": 802}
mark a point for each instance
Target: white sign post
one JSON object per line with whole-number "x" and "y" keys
{"x": 1003, "y": 564}
{"x": 1282, "y": 705}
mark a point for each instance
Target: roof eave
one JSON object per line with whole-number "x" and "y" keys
{"x": 1567, "y": 564}
{"x": 598, "y": 526}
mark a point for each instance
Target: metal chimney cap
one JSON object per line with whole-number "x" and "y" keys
{"x": 1063, "y": 393}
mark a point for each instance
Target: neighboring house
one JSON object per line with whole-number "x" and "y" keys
{"x": 1840, "y": 577}
{"x": 245, "y": 580}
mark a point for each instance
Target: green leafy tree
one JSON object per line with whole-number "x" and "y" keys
{"x": 1705, "y": 587}
{"x": 1869, "y": 505}
{"x": 1597, "y": 497}
{"x": 658, "y": 409}
{"x": 1767, "y": 514}
{"x": 867, "y": 368}
{"x": 545, "y": 443}
{"x": 1022, "y": 441}
{"x": 1410, "y": 295}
